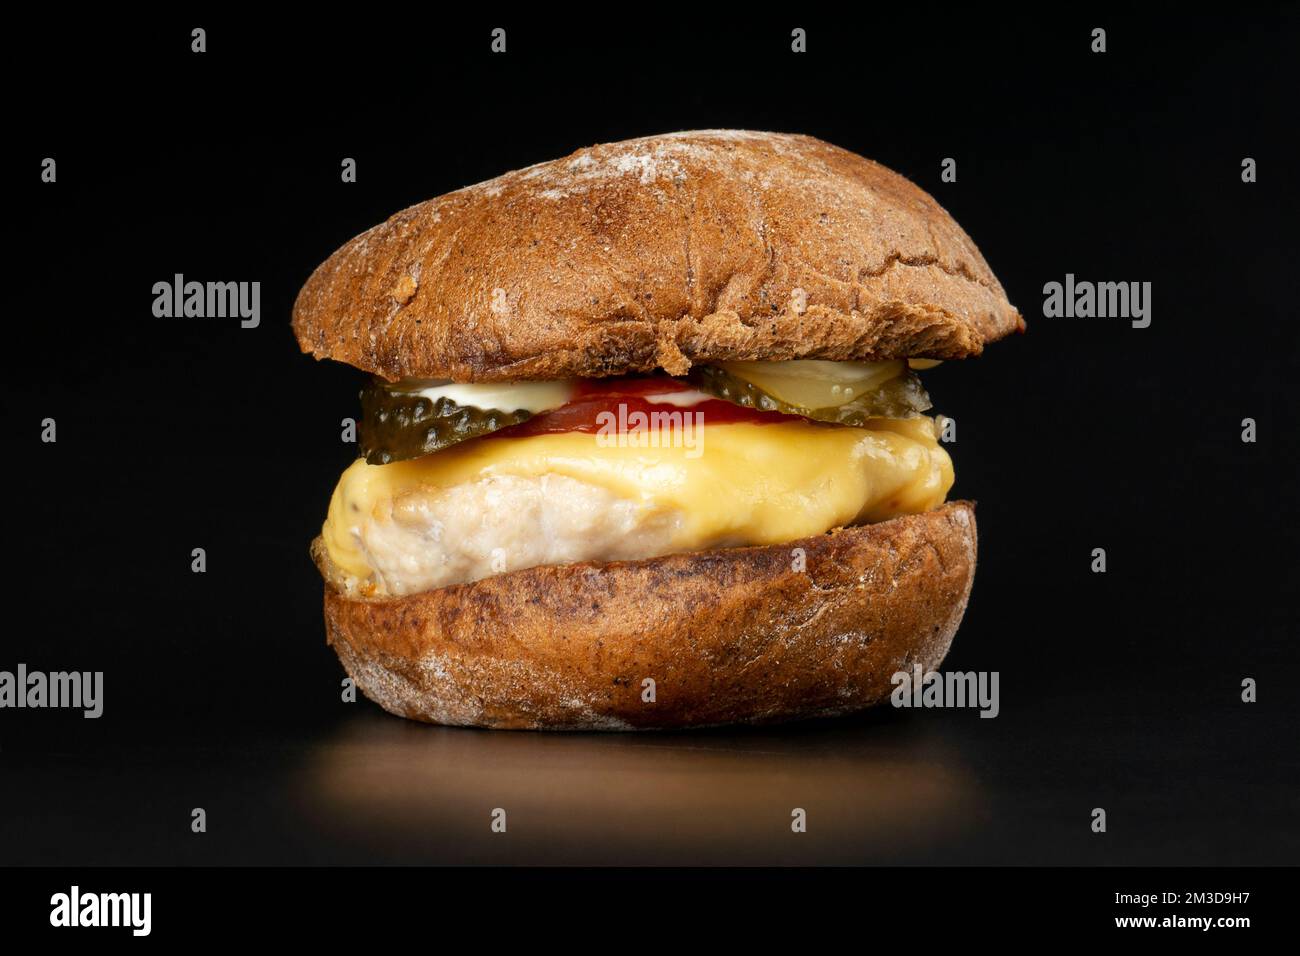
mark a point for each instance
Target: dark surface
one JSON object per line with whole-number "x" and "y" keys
{"x": 1118, "y": 690}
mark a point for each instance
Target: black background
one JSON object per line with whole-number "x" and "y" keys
{"x": 1119, "y": 690}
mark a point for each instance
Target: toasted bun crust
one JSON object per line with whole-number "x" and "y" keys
{"x": 728, "y": 636}
{"x": 657, "y": 252}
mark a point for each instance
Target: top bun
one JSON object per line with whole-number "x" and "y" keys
{"x": 659, "y": 252}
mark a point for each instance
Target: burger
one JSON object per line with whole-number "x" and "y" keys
{"x": 645, "y": 443}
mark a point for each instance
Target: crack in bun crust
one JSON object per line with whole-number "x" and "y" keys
{"x": 728, "y": 636}
{"x": 659, "y": 252}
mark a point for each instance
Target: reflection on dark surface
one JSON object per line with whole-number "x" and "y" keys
{"x": 320, "y": 786}
{"x": 427, "y": 793}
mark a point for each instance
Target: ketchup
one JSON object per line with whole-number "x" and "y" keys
{"x": 593, "y": 396}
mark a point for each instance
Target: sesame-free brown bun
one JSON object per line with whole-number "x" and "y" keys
{"x": 812, "y": 628}
{"x": 659, "y": 252}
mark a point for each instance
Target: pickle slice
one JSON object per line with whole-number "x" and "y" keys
{"x": 815, "y": 383}
{"x": 900, "y": 397}
{"x": 397, "y": 425}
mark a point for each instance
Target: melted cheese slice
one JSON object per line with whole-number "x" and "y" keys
{"x": 743, "y": 483}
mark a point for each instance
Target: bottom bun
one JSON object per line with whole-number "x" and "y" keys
{"x": 812, "y": 628}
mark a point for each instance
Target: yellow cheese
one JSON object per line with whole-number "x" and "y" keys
{"x": 742, "y": 484}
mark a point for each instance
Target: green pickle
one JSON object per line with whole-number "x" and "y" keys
{"x": 397, "y": 425}
{"x": 900, "y": 397}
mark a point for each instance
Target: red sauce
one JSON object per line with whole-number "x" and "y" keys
{"x": 622, "y": 398}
